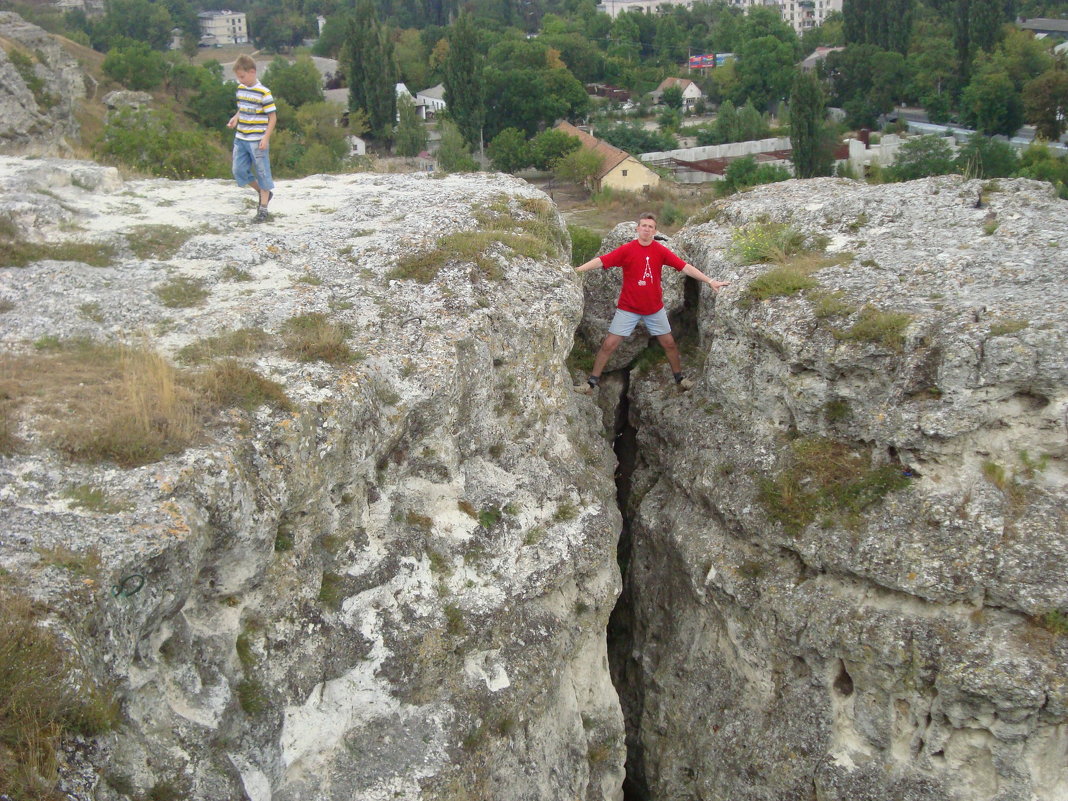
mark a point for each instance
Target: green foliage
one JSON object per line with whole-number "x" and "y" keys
{"x": 94, "y": 499}
{"x": 311, "y": 141}
{"x": 181, "y": 292}
{"x": 1045, "y": 100}
{"x": 744, "y": 172}
{"x": 463, "y": 80}
{"x": 157, "y": 143}
{"x": 1006, "y": 326}
{"x": 982, "y": 157}
{"x": 228, "y": 385}
{"x": 580, "y": 167}
{"x": 884, "y": 328}
{"x": 780, "y": 282}
{"x": 156, "y": 241}
{"x": 810, "y": 138}
{"x": 1039, "y": 163}
{"x": 314, "y": 337}
{"x": 1055, "y": 621}
{"x": 242, "y": 342}
{"x": 765, "y": 69}
{"x": 297, "y": 83}
{"x": 135, "y": 65}
{"x": 372, "y": 73}
{"x": 551, "y": 145}
{"x": 509, "y": 151}
{"x": 252, "y": 697}
{"x": 14, "y": 253}
{"x": 25, "y": 65}
{"x": 45, "y": 695}
{"x": 991, "y": 103}
{"x": 453, "y": 155}
{"x": 584, "y": 244}
{"x": 769, "y": 242}
{"x": 635, "y": 139}
{"x": 133, "y": 20}
{"x": 410, "y": 138}
{"x": 828, "y": 480}
{"x": 886, "y": 23}
{"x": 920, "y": 157}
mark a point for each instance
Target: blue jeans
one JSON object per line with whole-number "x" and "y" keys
{"x": 252, "y": 164}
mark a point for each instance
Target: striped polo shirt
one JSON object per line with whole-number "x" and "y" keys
{"x": 254, "y": 103}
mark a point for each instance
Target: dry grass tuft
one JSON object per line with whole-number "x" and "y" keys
{"x": 43, "y": 696}
{"x": 107, "y": 403}
{"x": 242, "y": 342}
{"x": 314, "y": 337}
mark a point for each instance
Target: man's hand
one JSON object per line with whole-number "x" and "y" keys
{"x": 717, "y": 285}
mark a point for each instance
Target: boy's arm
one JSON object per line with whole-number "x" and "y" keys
{"x": 693, "y": 272}
{"x": 272, "y": 118}
{"x": 233, "y": 120}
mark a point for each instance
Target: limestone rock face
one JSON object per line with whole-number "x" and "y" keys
{"x": 39, "y": 85}
{"x": 849, "y": 540}
{"x": 398, "y": 589}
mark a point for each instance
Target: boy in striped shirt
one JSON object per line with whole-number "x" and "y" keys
{"x": 254, "y": 121}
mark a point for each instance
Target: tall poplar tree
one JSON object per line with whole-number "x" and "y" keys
{"x": 463, "y": 68}
{"x": 813, "y": 152}
{"x": 367, "y": 56}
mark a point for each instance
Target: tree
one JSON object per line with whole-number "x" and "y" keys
{"x": 410, "y": 138}
{"x": 920, "y": 157}
{"x": 453, "y": 155}
{"x": 743, "y": 173}
{"x": 669, "y": 43}
{"x": 464, "y": 84}
{"x": 509, "y": 151}
{"x": 1046, "y": 103}
{"x": 141, "y": 20}
{"x": 982, "y": 157}
{"x": 672, "y": 97}
{"x": 297, "y": 83}
{"x": 991, "y": 104}
{"x": 581, "y": 166}
{"x": 368, "y": 60}
{"x": 135, "y": 65}
{"x": 884, "y": 23}
{"x": 809, "y": 136}
{"x": 551, "y": 145}
{"x": 765, "y": 71}
{"x": 751, "y": 123}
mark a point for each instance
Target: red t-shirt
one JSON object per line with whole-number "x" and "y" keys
{"x": 641, "y": 293}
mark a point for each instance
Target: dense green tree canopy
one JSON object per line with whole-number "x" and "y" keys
{"x": 372, "y": 74}
{"x": 297, "y": 83}
{"x": 465, "y": 89}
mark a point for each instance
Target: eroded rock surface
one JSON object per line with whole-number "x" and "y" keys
{"x": 399, "y": 589}
{"x": 39, "y": 85}
{"x": 878, "y": 646}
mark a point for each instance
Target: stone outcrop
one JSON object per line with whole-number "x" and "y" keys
{"x": 847, "y": 547}
{"x": 39, "y": 86}
{"x": 399, "y": 588}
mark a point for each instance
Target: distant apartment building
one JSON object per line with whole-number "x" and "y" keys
{"x": 801, "y": 14}
{"x": 222, "y": 27}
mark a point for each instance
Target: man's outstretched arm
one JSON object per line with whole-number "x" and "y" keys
{"x": 693, "y": 272}
{"x": 592, "y": 264}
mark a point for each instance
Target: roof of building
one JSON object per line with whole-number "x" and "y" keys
{"x": 434, "y": 92}
{"x": 667, "y": 83}
{"x": 611, "y": 156}
{"x": 1045, "y": 24}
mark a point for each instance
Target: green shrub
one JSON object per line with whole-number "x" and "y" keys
{"x": 885, "y": 328}
{"x": 584, "y": 244}
{"x": 781, "y": 281}
{"x": 182, "y": 292}
{"x": 313, "y": 337}
{"x": 157, "y": 143}
{"x": 765, "y": 242}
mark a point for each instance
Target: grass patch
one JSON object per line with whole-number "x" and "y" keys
{"x": 882, "y": 327}
{"x": 80, "y": 563}
{"x": 454, "y": 621}
{"x": 44, "y": 696}
{"x": 828, "y": 480}
{"x": 1054, "y": 621}
{"x": 181, "y": 292}
{"x": 229, "y": 385}
{"x": 20, "y": 254}
{"x": 242, "y": 342}
{"x": 331, "y": 590}
{"x": 94, "y": 499}
{"x": 779, "y": 282}
{"x": 106, "y": 403}
{"x": 1008, "y": 326}
{"x": 830, "y": 304}
{"x": 92, "y": 311}
{"x": 233, "y": 273}
{"x": 315, "y": 338}
{"x": 252, "y": 696}
{"x": 488, "y": 518}
{"x": 531, "y": 231}
{"x": 765, "y": 243}
{"x": 156, "y": 241}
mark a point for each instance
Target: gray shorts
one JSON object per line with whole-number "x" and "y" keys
{"x": 656, "y": 324}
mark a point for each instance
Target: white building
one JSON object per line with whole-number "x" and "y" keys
{"x": 222, "y": 27}
{"x": 807, "y": 14}
{"x": 614, "y": 8}
{"x": 431, "y": 101}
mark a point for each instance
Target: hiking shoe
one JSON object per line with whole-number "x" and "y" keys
{"x": 261, "y": 215}
{"x": 684, "y": 385}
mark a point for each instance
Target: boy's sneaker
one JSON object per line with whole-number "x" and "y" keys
{"x": 589, "y": 386}
{"x": 261, "y": 214}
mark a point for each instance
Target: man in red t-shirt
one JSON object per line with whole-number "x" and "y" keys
{"x": 642, "y": 297}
